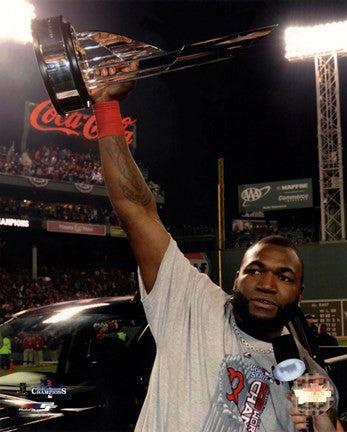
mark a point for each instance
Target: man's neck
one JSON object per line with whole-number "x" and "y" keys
{"x": 257, "y": 331}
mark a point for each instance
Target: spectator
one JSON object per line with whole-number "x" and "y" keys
{"x": 38, "y": 346}
{"x": 324, "y": 338}
{"x": 312, "y": 326}
{"x": 5, "y": 352}
{"x": 28, "y": 350}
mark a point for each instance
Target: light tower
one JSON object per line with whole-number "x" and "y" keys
{"x": 324, "y": 43}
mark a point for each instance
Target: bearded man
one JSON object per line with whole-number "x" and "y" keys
{"x": 213, "y": 369}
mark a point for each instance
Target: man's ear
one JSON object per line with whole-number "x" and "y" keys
{"x": 301, "y": 292}
{"x": 235, "y": 280}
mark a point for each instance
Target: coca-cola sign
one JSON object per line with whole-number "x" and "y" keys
{"x": 44, "y": 118}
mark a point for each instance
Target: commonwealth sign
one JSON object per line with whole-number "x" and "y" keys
{"x": 271, "y": 196}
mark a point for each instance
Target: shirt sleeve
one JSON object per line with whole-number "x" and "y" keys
{"x": 181, "y": 297}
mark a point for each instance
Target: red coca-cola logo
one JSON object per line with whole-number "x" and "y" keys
{"x": 45, "y": 118}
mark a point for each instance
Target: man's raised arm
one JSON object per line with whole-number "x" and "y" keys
{"x": 130, "y": 196}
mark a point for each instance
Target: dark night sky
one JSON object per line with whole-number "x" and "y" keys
{"x": 257, "y": 111}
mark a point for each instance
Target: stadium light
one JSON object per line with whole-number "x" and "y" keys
{"x": 324, "y": 44}
{"x": 15, "y": 20}
{"x": 305, "y": 42}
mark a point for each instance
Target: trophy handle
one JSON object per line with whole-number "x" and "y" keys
{"x": 153, "y": 61}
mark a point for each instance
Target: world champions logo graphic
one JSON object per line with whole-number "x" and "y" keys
{"x": 241, "y": 396}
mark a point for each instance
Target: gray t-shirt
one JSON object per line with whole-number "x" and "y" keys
{"x": 207, "y": 375}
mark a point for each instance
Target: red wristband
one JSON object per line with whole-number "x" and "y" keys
{"x": 108, "y": 118}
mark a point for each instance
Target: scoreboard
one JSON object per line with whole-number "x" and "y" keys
{"x": 332, "y": 312}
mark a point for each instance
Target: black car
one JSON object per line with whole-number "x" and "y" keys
{"x": 77, "y": 365}
{"x": 84, "y": 365}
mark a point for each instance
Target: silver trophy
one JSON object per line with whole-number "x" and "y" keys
{"x": 313, "y": 394}
{"x": 70, "y": 62}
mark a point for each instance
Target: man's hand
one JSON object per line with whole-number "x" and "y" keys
{"x": 299, "y": 420}
{"x": 321, "y": 423}
{"x": 116, "y": 91}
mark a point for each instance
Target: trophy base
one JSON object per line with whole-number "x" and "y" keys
{"x": 56, "y": 51}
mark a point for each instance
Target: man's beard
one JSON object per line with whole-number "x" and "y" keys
{"x": 252, "y": 322}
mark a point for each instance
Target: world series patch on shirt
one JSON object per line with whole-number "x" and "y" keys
{"x": 243, "y": 397}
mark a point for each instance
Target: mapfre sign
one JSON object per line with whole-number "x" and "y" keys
{"x": 44, "y": 118}
{"x": 281, "y": 195}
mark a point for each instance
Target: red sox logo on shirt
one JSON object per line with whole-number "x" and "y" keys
{"x": 238, "y": 377}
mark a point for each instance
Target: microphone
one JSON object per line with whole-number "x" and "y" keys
{"x": 312, "y": 392}
{"x": 289, "y": 365}
{"x": 299, "y": 329}
{"x": 285, "y": 348}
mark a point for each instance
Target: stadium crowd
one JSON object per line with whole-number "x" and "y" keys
{"x": 82, "y": 213}
{"x": 57, "y": 164}
{"x": 299, "y": 235}
{"x": 19, "y": 291}
{"x": 56, "y": 211}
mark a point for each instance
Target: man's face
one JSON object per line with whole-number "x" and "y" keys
{"x": 309, "y": 321}
{"x": 322, "y": 329}
{"x": 268, "y": 284}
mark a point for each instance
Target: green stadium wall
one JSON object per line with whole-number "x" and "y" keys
{"x": 325, "y": 269}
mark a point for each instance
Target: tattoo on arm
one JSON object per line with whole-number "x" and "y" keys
{"x": 131, "y": 183}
